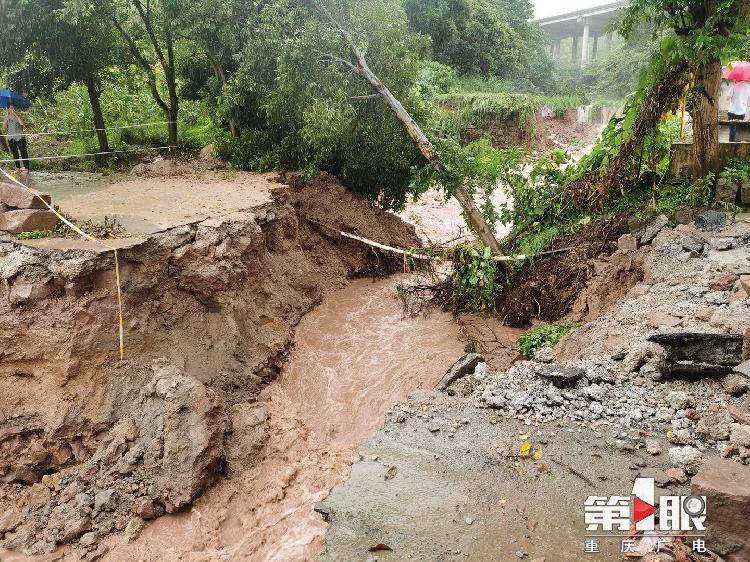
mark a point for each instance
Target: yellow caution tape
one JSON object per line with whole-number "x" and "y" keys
{"x": 87, "y": 237}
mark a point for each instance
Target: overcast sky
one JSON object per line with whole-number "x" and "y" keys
{"x": 544, "y": 8}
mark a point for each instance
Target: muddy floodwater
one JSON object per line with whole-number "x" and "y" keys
{"x": 353, "y": 357}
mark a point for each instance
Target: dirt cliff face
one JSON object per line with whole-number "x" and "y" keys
{"x": 90, "y": 445}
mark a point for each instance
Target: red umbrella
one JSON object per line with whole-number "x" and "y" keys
{"x": 738, "y": 71}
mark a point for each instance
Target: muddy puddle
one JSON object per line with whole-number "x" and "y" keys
{"x": 354, "y": 356}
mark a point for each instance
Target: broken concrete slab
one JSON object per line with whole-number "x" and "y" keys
{"x": 698, "y": 354}
{"x": 736, "y": 260}
{"x": 461, "y": 368}
{"x": 20, "y": 198}
{"x": 560, "y": 374}
{"x": 726, "y": 485}
{"x": 26, "y": 220}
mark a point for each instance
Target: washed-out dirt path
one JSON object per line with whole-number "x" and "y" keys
{"x": 147, "y": 204}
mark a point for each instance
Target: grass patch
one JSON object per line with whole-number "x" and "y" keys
{"x": 34, "y": 234}
{"x": 544, "y": 335}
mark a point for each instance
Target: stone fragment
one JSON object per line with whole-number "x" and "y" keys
{"x": 722, "y": 282}
{"x": 727, "y": 190}
{"x": 745, "y": 283}
{"x": 686, "y": 457}
{"x": 144, "y": 508}
{"x": 691, "y": 243}
{"x": 19, "y": 198}
{"x": 726, "y": 485}
{"x": 706, "y": 314}
{"x": 658, "y": 319}
{"x": 721, "y": 243}
{"x": 627, "y": 243}
{"x": 653, "y": 447}
{"x": 740, "y": 434}
{"x": 133, "y": 528}
{"x": 26, "y": 220}
{"x": 544, "y": 354}
{"x": 9, "y": 520}
{"x": 736, "y": 384}
{"x": 88, "y": 539}
{"x": 714, "y": 426}
{"x": 560, "y": 374}
{"x": 677, "y": 475}
{"x": 711, "y": 220}
{"x": 106, "y": 500}
{"x": 743, "y": 368}
{"x": 653, "y": 229}
{"x": 461, "y": 368}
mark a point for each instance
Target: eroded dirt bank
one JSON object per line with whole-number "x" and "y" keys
{"x": 90, "y": 446}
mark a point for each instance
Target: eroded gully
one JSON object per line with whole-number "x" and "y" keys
{"x": 353, "y": 357}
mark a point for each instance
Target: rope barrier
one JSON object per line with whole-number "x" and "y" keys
{"x": 65, "y": 156}
{"x": 90, "y": 238}
{"x": 94, "y": 130}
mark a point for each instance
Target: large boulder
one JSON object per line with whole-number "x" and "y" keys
{"x": 20, "y": 198}
{"x": 189, "y": 421}
{"x": 26, "y": 220}
{"x": 726, "y": 485}
{"x": 461, "y": 368}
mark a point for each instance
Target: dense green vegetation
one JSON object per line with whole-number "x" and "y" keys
{"x": 484, "y": 37}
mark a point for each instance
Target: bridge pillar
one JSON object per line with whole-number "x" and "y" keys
{"x": 585, "y": 43}
{"x": 574, "y": 55}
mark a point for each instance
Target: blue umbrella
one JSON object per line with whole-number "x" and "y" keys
{"x": 8, "y": 97}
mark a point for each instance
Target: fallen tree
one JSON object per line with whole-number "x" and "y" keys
{"x": 462, "y": 195}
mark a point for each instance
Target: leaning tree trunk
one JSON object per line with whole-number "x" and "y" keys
{"x": 705, "y": 112}
{"x": 464, "y": 198}
{"x": 222, "y": 78}
{"x": 174, "y": 102}
{"x": 96, "y": 112}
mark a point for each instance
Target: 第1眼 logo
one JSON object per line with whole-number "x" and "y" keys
{"x": 633, "y": 519}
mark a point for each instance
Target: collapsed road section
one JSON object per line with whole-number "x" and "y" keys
{"x": 91, "y": 446}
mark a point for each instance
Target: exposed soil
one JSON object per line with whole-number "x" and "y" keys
{"x": 546, "y": 289}
{"x": 218, "y": 299}
{"x": 551, "y": 132}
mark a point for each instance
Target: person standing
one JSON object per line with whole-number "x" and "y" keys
{"x": 739, "y": 97}
{"x": 13, "y": 124}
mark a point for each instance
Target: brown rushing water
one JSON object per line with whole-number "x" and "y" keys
{"x": 354, "y": 356}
